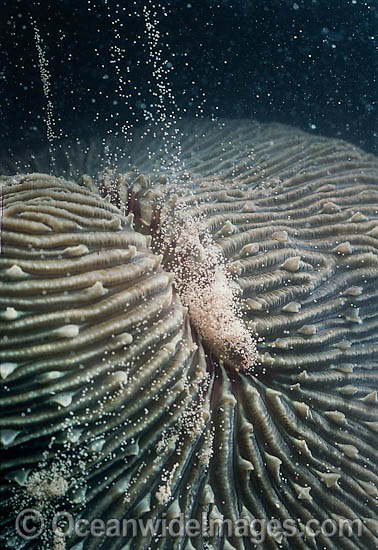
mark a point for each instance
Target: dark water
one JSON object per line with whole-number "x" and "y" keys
{"x": 308, "y": 63}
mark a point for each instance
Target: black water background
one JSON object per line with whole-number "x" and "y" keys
{"x": 311, "y": 64}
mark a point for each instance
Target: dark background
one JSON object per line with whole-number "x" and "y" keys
{"x": 311, "y": 64}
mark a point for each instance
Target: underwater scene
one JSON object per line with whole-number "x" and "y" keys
{"x": 188, "y": 275}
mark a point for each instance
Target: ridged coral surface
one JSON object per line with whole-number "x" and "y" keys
{"x": 127, "y": 387}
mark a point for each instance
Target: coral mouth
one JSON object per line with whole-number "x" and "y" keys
{"x": 201, "y": 279}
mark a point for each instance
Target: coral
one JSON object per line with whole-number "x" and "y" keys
{"x": 196, "y": 339}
